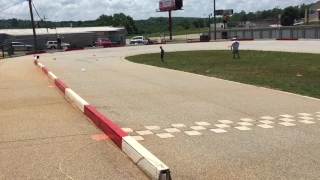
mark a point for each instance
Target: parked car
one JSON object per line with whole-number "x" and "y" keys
{"x": 139, "y": 40}
{"x": 19, "y": 46}
{"x": 53, "y": 44}
{"x": 103, "y": 42}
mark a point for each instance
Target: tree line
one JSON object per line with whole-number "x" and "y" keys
{"x": 116, "y": 20}
{"x": 160, "y": 24}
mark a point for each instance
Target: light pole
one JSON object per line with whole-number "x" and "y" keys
{"x": 199, "y": 25}
{"x": 210, "y": 26}
{"x": 214, "y": 19}
{"x": 33, "y": 27}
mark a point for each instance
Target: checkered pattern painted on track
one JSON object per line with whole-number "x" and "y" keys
{"x": 223, "y": 126}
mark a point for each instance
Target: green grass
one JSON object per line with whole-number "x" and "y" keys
{"x": 312, "y": 23}
{"x": 276, "y": 70}
{"x": 174, "y": 33}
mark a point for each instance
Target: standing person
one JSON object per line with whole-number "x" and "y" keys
{"x": 10, "y": 49}
{"x": 235, "y": 47}
{"x": 2, "y": 50}
{"x": 162, "y": 53}
{"x": 59, "y": 42}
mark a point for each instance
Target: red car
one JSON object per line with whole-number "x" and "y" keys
{"x": 152, "y": 41}
{"x": 103, "y": 42}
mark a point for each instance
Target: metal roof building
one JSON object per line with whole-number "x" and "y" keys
{"x": 76, "y": 36}
{"x": 63, "y": 30}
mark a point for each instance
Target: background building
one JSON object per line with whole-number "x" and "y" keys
{"x": 256, "y": 24}
{"x": 314, "y": 13}
{"x": 75, "y": 36}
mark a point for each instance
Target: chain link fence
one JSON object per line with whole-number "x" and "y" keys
{"x": 6, "y": 49}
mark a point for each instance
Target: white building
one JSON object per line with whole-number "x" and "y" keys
{"x": 218, "y": 25}
{"x": 314, "y": 13}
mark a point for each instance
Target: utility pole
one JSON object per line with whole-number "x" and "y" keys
{"x": 210, "y": 27}
{"x": 33, "y": 27}
{"x": 214, "y": 19}
{"x": 199, "y": 25}
{"x": 44, "y": 20}
{"x": 170, "y": 25}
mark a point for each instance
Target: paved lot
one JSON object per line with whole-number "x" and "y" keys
{"x": 42, "y": 136}
{"x": 184, "y": 37}
{"x": 201, "y": 127}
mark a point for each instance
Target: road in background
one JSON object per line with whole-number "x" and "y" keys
{"x": 175, "y": 38}
{"x": 201, "y": 127}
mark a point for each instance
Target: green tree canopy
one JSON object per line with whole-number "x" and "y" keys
{"x": 14, "y": 23}
{"x": 288, "y": 16}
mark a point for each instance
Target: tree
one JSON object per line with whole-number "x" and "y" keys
{"x": 120, "y": 20}
{"x": 185, "y": 24}
{"x": 302, "y": 9}
{"x": 243, "y": 16}
{"x": 14, "y": 23}
{"x": 288, "y": 16}
{"x": 264, "y": 14}
{"x": 196, "y": 23}
{"x": 258, "y": 15}
{"x": 131, "y": 27}
{"x": 275, "y": 12}
{"x": 117, "y": 20}
{"x": 201, "y": 23}
{"x": 235, "y": 17}
{"x": 251, "y": 16}
{"x": 178, "y": 28}
{"x": 104, "y": 20}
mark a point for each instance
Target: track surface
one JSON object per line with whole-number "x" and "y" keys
{"x": 201, "y": 127}
{"x": 42, "y": 136}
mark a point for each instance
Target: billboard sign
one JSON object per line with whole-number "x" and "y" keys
{"x": 169, "y": 5}
{"x": 179, "y": 4}
{"x": 222, "y": 12}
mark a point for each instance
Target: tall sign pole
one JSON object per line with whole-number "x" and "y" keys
{"x": 170, "y": 5}
{"x": 33, "y": 27}
{"x": 214, "y": 19}
{"x": 210, "y": 26}
{"x": 170, "y": 25}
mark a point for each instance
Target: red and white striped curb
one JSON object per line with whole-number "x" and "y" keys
{"x": 144, "y": 159}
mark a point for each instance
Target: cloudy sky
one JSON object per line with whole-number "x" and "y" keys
{"x": 58, "y": 10}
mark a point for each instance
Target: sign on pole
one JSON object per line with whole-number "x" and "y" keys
{"x": 221, "y": 12}
{"x": 169, "y": 5}
{"x": 312, "y": 11}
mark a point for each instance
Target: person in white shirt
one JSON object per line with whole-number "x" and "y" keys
{"x": 235, "y": 47}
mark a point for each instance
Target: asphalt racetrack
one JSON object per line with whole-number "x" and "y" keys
{"x": 201, "y": 127}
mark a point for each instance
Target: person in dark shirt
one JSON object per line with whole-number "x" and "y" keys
{"x": 11, "y": 49}
{"x": 162, "y": 53}
{"x": 59, "y": 42}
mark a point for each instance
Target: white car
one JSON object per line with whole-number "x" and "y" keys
{"x": 53, "y": 44}
{"x": 19, "y": 46}
{"x": 139, "y": 40}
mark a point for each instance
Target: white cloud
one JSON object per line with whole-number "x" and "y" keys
{"x": 64, "y": 10}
